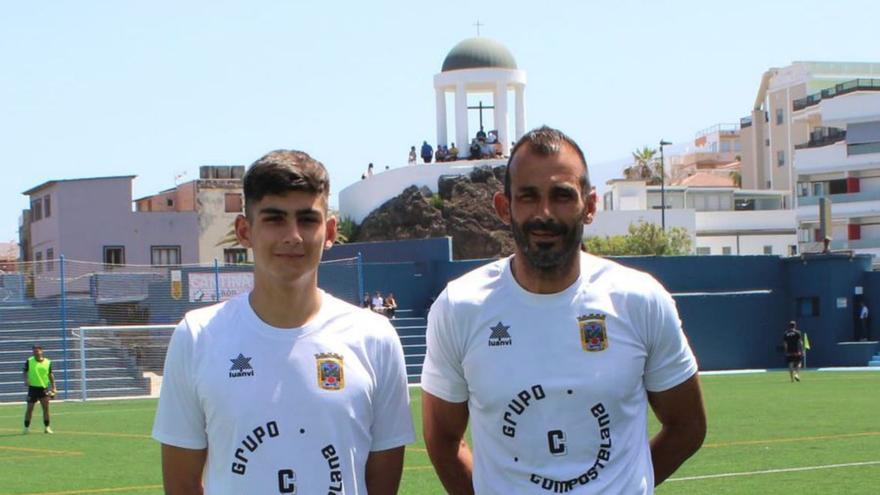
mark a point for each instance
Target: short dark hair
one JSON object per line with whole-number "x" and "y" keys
{"x": 546, "y": 141}
{"x": 37, "y": 346}
{"x": 282, "y": 171}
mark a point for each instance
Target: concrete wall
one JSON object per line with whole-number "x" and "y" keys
{"x": 361, "y": 198}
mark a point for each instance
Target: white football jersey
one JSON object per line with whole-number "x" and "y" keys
{"x": 284, "y": 410}
{"x": 556, "y": 383}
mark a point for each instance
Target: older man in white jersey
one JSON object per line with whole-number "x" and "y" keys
{"x": 555, "y": 355}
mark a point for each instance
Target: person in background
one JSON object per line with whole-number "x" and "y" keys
{"x": 427, "y": 152}
{"x": 378, "y": 303}
{"x": 793, "y": 340}
{"x": 863, "y": 321}
{"x": 453, "y": 153}
{"x": 38, "y": 378}
{"x": 390, "y": 305}
{"x": 412, "y": 156}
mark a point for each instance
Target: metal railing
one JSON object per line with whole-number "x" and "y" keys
{"x": 836, "y": 90}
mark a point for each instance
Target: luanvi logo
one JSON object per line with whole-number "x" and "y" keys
{"x": 500, "y": 336}
{"x": 241, "y": 366}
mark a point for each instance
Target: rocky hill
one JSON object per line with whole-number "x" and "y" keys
{"x": 462, "y": 209}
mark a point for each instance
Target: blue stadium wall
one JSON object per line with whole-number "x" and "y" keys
{"x": 733, "y": 308}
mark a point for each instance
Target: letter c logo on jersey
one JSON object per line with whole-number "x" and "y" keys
{"x": 331, "y": 374}
{"x": 594, "y": 338}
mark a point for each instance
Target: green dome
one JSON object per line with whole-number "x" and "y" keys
{"x": 478, "y": 53}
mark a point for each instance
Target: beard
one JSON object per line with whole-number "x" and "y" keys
{"x": 548, "y": 257}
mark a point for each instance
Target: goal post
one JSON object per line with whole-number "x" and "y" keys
{"x": 121, "y": 360}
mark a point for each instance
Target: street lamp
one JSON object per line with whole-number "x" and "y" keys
{"x": 663, "y": 186}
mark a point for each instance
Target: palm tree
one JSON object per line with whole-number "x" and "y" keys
{"x": 645, "y": 166}
{"x": 737, "y": 178}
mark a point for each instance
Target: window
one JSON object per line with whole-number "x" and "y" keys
{"x": 837, "y": 186}
{"x": 805, "y": 235}
{"x": 792, "y": 249}
{"x": 165, "y": 255}
{"x": 233, "y": 203}
{"x": 780, "y": 116}
{"x": 768, "y": 249}
{"x": 50, "y": 258}
{"x": 744, "y": 205}
{"x": 807, "y": 306}
{"x": 37, "y": 209}
{"x": 726, "y": 250}
{"x": 803, "y": 189}
{"x": 169, "y": 202}
{"x": 235, "y": 256}
{"x": 704, "y": 251}
{"x": 114, "y": 255}
{"x": 818, "y": 189}
{"x": 47, "y": 206}
{"x": 38, "y": 258}
{"x": 780, "y": 158}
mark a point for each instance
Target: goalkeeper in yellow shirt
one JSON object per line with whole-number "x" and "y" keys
{"x": 38, "y": 378}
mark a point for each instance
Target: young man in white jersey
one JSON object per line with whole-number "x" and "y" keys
{"x": 285, "y": 389}
{"x": 554, "y": 355}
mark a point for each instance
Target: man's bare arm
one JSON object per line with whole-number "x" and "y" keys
{"x": 182, "y": 470}
{"x": 383, "y": 471}
{"x": 444, "y": 425}
{"x": 682, "y": 416}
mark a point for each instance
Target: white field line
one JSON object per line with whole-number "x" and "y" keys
{"x": 773, "y": 471}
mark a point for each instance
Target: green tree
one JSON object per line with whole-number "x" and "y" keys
{"x": 346, "y": 230}
{"x": 643, "y": 239}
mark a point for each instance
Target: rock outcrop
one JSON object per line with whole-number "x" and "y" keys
{"x": 462, "y": 209}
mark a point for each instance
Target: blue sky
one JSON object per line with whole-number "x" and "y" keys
{"x": 94, "y": 88}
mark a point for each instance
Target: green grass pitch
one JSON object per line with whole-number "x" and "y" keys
{"x": 766, "y": 436}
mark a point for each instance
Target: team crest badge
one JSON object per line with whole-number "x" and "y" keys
{"x": 330, "y": 371}
{"x": 594, "y": 338}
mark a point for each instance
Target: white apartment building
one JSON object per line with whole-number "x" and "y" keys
{"x": 770, "y": 133}
{"x": 721, "y": 220}
{"x": 839, "y": 159}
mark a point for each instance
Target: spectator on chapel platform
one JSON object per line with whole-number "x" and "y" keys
{"x": 453, "y": 153}
{"x": 427, "y": 152}
{"x": 441, "y": 155}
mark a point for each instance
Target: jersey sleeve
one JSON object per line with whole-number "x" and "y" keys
{"x": 443, "y": 373}
{"x": 180, "y": 420}
{"x": 392, "y": 425}
{"x": 670, "y": 359}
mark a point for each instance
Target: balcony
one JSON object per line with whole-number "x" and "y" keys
{"x": 840, "y": 198}
{"x": 841, "y": 244}
{"x": 823, "y": 136}
{"x": 768, "y": 222}
{"x": 721, "y": 129}
{"x": 836, "y": 90}
{"x": 831, "y": 158}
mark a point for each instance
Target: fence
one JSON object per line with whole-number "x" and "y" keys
{"x": 46, "y": 302}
